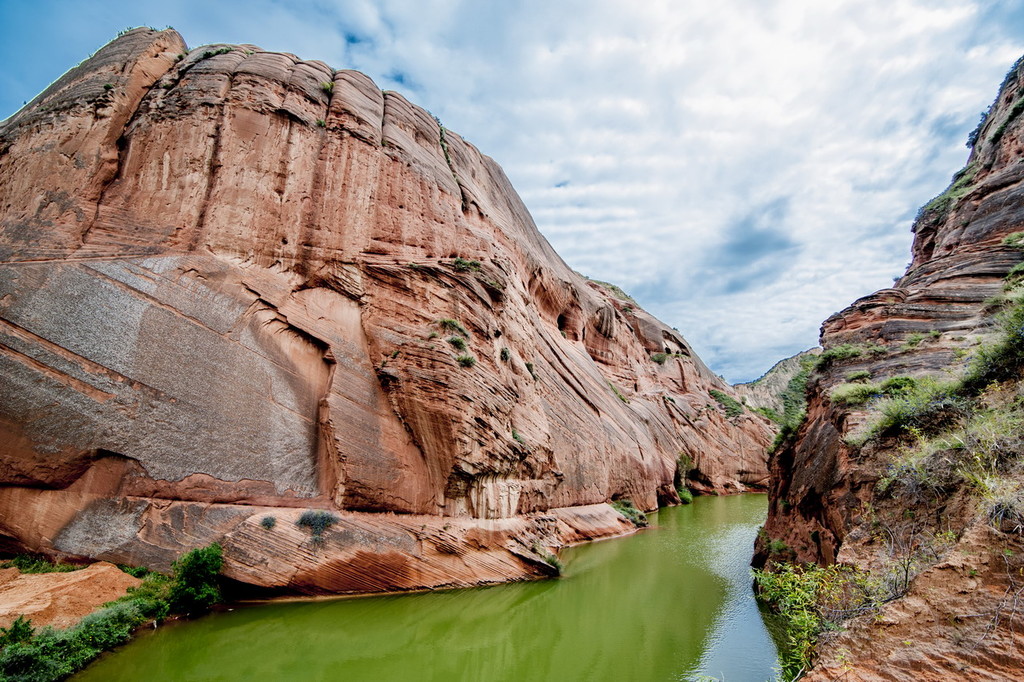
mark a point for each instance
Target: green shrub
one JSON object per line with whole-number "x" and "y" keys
{"x": 961, "y": 185}
{"x": 505, "y": 355}
{"x": 453, "y": 326}
{"x": 912, "y": 341}
{"x": 632, "y": 514}
{"x": 466, "y": 360}
{"x": 731, "y": 406}
{"x": 618, "y": 393}
{"x": 21, "y": 630}
{"x": 327, "y": 86}
{"x": 660, "y": 358}
{"x": 268, "y": 522}
{"x": 529, "y": 368}
{"x": 317, "y": 521}
{"x": 463, "y": 265}
{"x": 1015, "y": 111}
{"x": 847, "y": 351}
{"x": 685, "y": 495}
{"x": 858, "y": 375}
{"x": 34, "y": 563}
{"x": 135, "y": 571}
{"x": 550, "y": 558}
{"x": 616, "y": 291}
{"x": 1001, "y": 359}
{"x": 1014, "y": 240}
{"x": 213, "y": 53}
{"x": 195, "y": 585}
{"x": 48, "y": 655}
{"x": 769, "y": 414}
{"x": 517, "y": 437}
{"x": 457, "y": 342}
{"x": 811, "y": 599}
{"x": 321, "y": 123}
{"x": 859, "y": 394}
{"x": 854, "y": 394}
{"x": 928, "y": 407}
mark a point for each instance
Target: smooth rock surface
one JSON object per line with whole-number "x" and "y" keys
{"x": 234, "y": 281}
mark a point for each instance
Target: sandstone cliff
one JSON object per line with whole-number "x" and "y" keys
{"x": 235, "y": 285}
{"x": 915, "y": 500}
{"x": 766, "y": 392}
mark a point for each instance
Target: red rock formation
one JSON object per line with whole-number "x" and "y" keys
{"x": 235, "y": 282}
{"x": 826, "y": 504}
{"x": 60, "y": 599}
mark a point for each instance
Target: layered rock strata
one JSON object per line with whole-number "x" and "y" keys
{"x": 830, "y": 501}
{"x": 236, "y": 285}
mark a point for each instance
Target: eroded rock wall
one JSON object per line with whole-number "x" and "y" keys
{"x": 234, "y": 281}
{"x": 828, "y": 501}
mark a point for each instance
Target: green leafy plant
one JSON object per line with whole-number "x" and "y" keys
{"x": 21, "y": 630}
{"x": 33, "y": 563}
{"x": 464, "y": 265}
{"x": 457, "y": 342}
{"x": 632, "y": 514}
{"x": 962, "y": 183}
{"x": 811, "y": 599}
{"x": 135, "y": 571}
{"x": 317, "y": 521}
{"x": 466, "y": 360}
{"x": 660, "y": 358}
{"x": 550, "y": 558}
{"x": 912, "y": 341}
{"x": 453, "y": 326}
{"x": 321, "y": 123}
{"x": 731, "y": 406}
{"x": 213, "y": 53}
{"x": 618, "y": 393}
{"x": 860, "y": 393}
{"x": 268, "y": 522}
{"x": 195, "y": 585}
{"x": 505, "y": 355}
{"x": 327, "y": 86}
{"x": 529, "y": 368}
{"x": 847, "y": 351}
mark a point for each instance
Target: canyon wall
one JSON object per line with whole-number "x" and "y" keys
{"x": 902, "y": 504}
{"x": 236, "y": 285}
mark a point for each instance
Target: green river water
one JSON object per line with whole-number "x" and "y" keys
{"x": 670, "y": 603}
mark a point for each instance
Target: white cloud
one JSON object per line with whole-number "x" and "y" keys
{"x": 647, "y": 139}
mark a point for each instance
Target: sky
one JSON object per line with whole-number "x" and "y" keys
{"x": 743, "y": 168}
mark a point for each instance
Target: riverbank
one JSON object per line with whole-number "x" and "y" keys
{"x": 672, "y": 602}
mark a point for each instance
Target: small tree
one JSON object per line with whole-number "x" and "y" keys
{"x": 194, "y": 588}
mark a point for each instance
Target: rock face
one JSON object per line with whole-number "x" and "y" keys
{"x": 235, "y": 284}
{"x": 827, "y": 503}
{"x": 766, "y": 392}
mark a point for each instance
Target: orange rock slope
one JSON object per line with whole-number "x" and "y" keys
{"x": 235, "y": 285}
